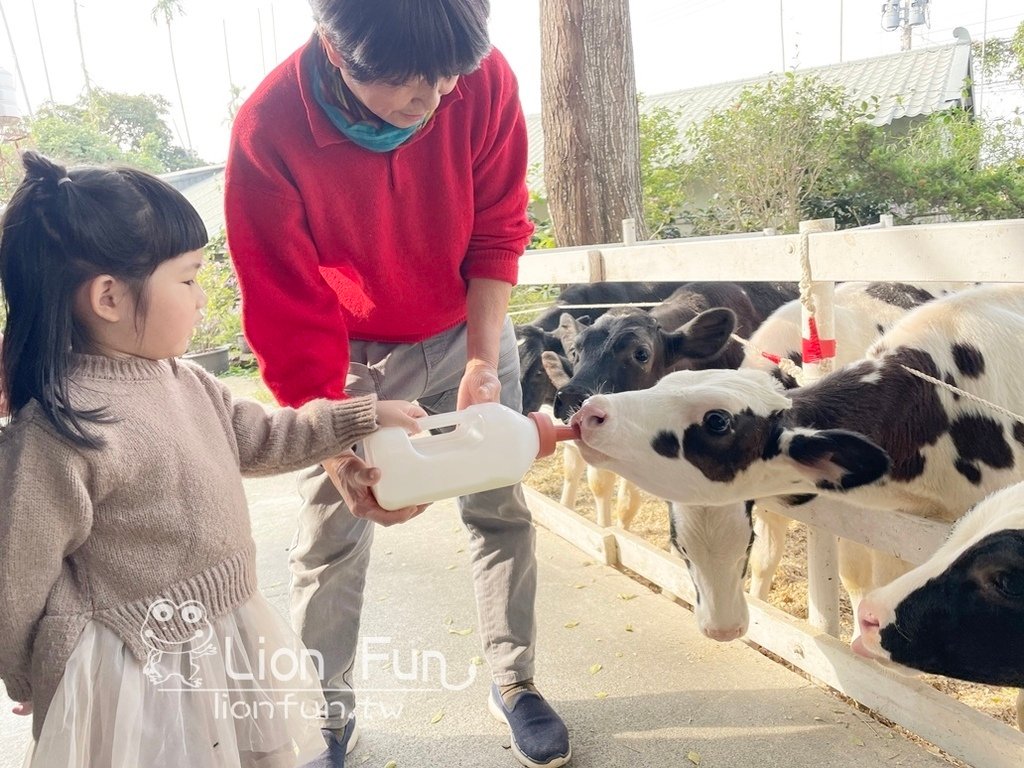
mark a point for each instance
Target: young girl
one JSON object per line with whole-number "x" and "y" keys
{"x": 130, "y": 623}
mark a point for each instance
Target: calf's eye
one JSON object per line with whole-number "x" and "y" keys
{"x": 718, "y": 422}
{"x": 641, "y": 355}
{"x": 1010, "y": 583}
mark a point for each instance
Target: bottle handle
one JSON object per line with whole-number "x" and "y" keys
{"x": 438, "y": 420}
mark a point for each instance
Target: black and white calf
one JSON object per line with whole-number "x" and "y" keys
{"x": 629, "y": 349}
{"x": 863, "y": 312}
{"x": 961, "y": 613}
{"x": 871, "y": 431}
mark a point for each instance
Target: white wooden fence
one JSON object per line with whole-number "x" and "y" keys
{"x": 991, "y": 251}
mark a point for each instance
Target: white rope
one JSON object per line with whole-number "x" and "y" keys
{"x": 806, "y": 298}
{"x": 825, "y": 364}
{"x": 534, "y": 308}
{"x": 963, "y": 393}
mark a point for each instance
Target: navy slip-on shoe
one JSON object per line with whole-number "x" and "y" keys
{"x": 539, "y": 737}
{"x": 337, "y": 747}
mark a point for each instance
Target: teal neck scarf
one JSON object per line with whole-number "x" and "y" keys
{"x": 347, "y": 114}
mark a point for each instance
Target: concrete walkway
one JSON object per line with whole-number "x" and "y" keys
{"x": 635, "y": 681}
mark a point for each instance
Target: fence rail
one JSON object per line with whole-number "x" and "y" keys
{"x": 988, "y": 251}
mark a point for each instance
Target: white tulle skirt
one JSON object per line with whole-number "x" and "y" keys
{"x": 248, "y": 698}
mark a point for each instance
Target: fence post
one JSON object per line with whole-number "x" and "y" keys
{"x": 818, "y": 331}
{"x": 629, "y": 231}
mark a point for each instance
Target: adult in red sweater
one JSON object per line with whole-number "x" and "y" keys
{"x": 376, "y": 212}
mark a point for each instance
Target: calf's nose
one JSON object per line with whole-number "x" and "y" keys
{"x": 723, "y": 634}
{"x": 868, "y": 621}
{"x": 589, "y": 416}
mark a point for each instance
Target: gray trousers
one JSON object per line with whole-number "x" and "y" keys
{"x": 332, "y": 548}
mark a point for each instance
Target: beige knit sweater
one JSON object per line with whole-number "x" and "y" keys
{"x": 159, "y": 511}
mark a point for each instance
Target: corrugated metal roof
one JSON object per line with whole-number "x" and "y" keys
{"x": 907, "y": 84}
{"x": 204, "y": 188}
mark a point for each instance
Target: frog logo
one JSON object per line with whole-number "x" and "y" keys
{"x": 168, "y": 656}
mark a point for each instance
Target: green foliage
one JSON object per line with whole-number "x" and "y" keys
{"x": 136, "y": 124}
{"x": 68, "y": 134}
{"x": 221, "y": 318}
{"x": 767, "y": 154}
{"x": 528, "y": 301}
{"x": 166, "y": 10}
{"x": 247, "y": 369}
{"x": 101, "y": 128}
{"x": 853, "y": 189}
{"x": 543, "y": 233}
{"x": 662, "y": 169}
{"x": 794, "y": 149}
{"x": 949, "y": 165}
{"x": 1001, "y": 58}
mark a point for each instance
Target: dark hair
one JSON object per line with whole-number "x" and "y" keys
{"x": 60, "y": 230}
{"x": 393, "y": 41}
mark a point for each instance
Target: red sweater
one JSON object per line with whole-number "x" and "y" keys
{"x": 332, "y": 241}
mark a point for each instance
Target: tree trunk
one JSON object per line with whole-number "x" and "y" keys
{"x": 590, "y": 119}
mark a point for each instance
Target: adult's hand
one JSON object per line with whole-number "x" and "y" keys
{"x": 22, "y": 708}
{"x": 480, "y": 384}
{"x": 353, "y": 478}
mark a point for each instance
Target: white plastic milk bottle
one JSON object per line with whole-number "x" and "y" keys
{"x": 491, "y": 446}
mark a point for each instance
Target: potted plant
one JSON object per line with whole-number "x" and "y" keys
{"x": 221, "y": 323}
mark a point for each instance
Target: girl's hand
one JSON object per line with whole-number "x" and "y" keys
{"x": 22, "y": 708}
{"x": 399, "y": 413}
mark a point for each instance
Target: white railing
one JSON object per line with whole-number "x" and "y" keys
{"x": 989, "y": 251}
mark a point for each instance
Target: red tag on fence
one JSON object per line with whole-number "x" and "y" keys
{"x": 816, "y": 349}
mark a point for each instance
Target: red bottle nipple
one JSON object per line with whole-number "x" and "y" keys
{"x": 550, "y": 433}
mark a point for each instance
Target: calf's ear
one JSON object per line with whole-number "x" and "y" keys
{"x": 835, "y": 459}
{"x": 569, "y": 326}
{"x": 557, "y": 367}
{"x": 703, "y": 337}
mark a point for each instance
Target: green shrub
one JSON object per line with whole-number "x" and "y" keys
{"x": 222, "y": 320}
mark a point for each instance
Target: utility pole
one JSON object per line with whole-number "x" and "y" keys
{"x": 782, "y": 37}
{"x": 840, "y": 31}
{"x": 904, "y": 15}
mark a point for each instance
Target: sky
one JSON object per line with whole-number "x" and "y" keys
{"x": 677, "y": 44}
